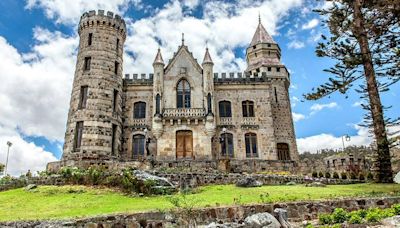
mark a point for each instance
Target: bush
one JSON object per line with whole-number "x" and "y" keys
{"x": 361, "y": 177}
{"x": 370, "y": 176}
{"x": 335, "y": 175}
{"x": 320, "y": 174}
{"x": 339, "y": 215}
{"x": 355, "y": 218}
{"x": 95, "y": 175}
{"x": 374, "y": 215}
{"x": 315, "y": 174}
{"x": 396, "y": 209}
{"x": 353, "y": 176}
{"x": 325, "y": 219}
{"x": 327, "y": 175}
{"x": 344, "y": 176}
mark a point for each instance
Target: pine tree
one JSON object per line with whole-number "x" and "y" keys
{"x": 364, "y": 40}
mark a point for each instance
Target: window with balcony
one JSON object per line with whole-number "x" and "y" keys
{"x": 251, "y": 145}
{"x": 139, "y": 110}
{"x": 225, "y": 109}
{"x": 183, "y": 94}
{"x": 248, "y": 108}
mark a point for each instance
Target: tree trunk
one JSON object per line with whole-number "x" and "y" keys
{"x": 383, "y": 162}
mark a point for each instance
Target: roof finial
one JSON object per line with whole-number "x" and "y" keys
{"x": 206, "y": 44}
{"x": 183, "y": 39}
{"x": 259, "y": 17}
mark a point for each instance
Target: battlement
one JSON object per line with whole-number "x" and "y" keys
{"x": 142, "y": 79}
{"x": 245, "y": 77}
{"x": 101, "y": 18}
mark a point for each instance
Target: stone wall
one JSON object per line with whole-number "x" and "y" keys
{"x": 297, "y": 211}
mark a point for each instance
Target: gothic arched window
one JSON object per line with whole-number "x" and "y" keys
{"x": 139, "y": 110}
{"x": 138, "y": 144}
{"x": 183, "y": 94}
{"x": 251, "y": 145}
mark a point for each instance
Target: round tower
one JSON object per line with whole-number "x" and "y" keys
{"x": 94, "y": 125}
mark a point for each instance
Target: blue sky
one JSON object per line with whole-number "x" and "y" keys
{"x": 39, "y": 40}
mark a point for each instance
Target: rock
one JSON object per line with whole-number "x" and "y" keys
{"x": 223, "y": 225}
{"x": 392, "y": 221}
{"x": 291, "y": 183}
{"x": 248, "y": 181}
{"x": 262, "y": 220}
{"x": 396, "y": 178}
{"x": 160, "y": 182}
{"x": 282, "y": 216}
{"x": 30, "y": 187}
{"x": 316, "y": 184}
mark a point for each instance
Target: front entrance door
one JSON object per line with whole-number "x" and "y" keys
{"x": 184, "y": 144}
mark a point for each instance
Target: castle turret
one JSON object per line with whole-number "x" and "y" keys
{"x": 94, "y": 123}
{"x": 158, "y": 87}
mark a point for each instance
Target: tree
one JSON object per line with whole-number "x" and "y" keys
{"x": 1, "y": 168}
{"x": 364, "y": 40}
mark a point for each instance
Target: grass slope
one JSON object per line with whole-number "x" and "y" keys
{"x": 51, "y": 202}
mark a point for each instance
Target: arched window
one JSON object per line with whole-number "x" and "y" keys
{"x": 283, "y": 151}
{"x": 225, "y": 109}
{"x": 248, "y": 108}
{"x": 209, "y": 107}
{"x": 139, "y": 110}
{"x": 183, "y": 94}
{"x": 158, "y": 103}
{"x": 251, "y": 145}
{"x": 138, "y": 144}
{"x": 227, "y": 145}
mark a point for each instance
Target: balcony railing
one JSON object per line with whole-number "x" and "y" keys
{"x": 249, "y": 121}
{"x": 177, "y": 113}
{"x": 225, "y": 121}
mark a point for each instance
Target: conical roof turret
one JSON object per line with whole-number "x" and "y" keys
{"x": 207, "y": 57}
{"x": 158, "y": 59}
{"x": 261, "y": 35}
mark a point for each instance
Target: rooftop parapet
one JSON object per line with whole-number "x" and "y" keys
{"x": 146, "y": 79}
{"x": 246, "y": 77}
{"x": 101, "y": 18}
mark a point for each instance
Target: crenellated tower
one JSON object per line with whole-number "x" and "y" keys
{"x": 94, "y": 123}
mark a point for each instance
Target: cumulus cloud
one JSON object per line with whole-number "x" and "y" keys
{"x": 23, "y": 156}
{"x": 318, "y": 107}
{"x": 328, "y": 141}
{"x": 298, "y": 116}
{"x": 295, "y": 44}
{"x": 310, "y": 24}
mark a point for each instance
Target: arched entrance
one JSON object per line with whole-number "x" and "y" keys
{"x": 184, "y": 144}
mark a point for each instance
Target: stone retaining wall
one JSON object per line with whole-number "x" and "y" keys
{"x": 297, "y": 211}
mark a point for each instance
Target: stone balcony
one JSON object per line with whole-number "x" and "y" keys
{"x": 225, "y": 121}
{"x": 184, "y": 113}
{"x": 249, "y": 122}
{"x": 137, "y": 123}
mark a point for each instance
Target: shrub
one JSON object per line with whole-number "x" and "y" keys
{"x": 353, "y": 176}
{"x": 339, "y": 215}
{"x": 335, "y": 175}
{"x": 95, "y": 175}
{"x": 320, "y": 174}
{"x": 344, "y": 176}
{"x": 361, "y": 177}
{"x": 315, "y": 174}
{"x": 327, "y": 175}
{"x": 396, "y": 209}
{"x": 355, "y": 219}
{"x": 325, "y": 219}
{"x": 370, "y": 176}
{"x": 374, "y": 215}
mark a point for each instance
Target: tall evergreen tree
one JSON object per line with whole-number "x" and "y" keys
{"x": 365, "y": 42}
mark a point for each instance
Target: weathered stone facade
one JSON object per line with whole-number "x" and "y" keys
{"x": 181, "y": 111}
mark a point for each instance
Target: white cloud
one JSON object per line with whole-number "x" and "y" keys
{"x": 357, "y": 104}
{"x": 311, "y": 24}
{"x": 23, "y": 155}
{"x": 295, "y": 44}
{"x": 318, "y": 107}
{"x": 191, "y": 4}
{"x": 328, "y": 141}
{"x": 298, "y": 116}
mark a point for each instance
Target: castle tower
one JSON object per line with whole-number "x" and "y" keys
{"x": 208, "y": 89}
{"x": 158, "y": 87}
{"x": 264, "y": 58}
{"x": 94, "y": 120}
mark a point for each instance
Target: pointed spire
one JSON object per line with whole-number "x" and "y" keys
{"x": 183, "y": 39}
{"x": 158, "y": 58}
{"x": 261, "y": 35}
{"x": 207, "y": 57}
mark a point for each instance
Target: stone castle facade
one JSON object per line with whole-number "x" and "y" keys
{"x": 182, "y": 111}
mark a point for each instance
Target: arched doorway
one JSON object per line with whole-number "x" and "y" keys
{"x": 184, "y": 144}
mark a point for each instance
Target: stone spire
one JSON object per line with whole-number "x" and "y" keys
{"x": 158, "y": 58}
{"x": 207, "y": 57}
{"x": 261, "y": 35}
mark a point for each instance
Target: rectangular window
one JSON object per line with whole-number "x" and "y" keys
{"x": 117, "y": 46}
{"x": 115, "y": 100}
{"x": 113, "y": 138}
{"x": 269, "y": 68}
{"x": 78, "y": 135}
{"x": 87, "y": 63}
{"x": 90, "y": 39}
{"x": 83, "y": 97}
{"x": 116, "y": 65}
{"x": 251, "y": 145}
{"x": 278, "y": 69}
{"x": 276, "y": 95}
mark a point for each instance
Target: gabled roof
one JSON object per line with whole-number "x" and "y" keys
{"x": 183, "y": 48}
{"x": 261, "y": 36}
{"x": 207, "y": 57}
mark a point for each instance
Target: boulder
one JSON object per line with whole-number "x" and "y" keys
{"x": 262, "y": 220}
{"x": 161, "y": 184}
{"x": 291, "y": 183}
{"x": 30, "y": 187}
{"x": 248, "y": 181}
{"x": 316, "y": 184}
{"x": 391, "y": 222}
{"x": 396, "y": 178}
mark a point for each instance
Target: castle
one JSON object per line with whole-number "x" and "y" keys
{"x": 183, "y": 111}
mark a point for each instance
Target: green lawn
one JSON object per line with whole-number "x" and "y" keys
{"x": 50, "y": 202}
